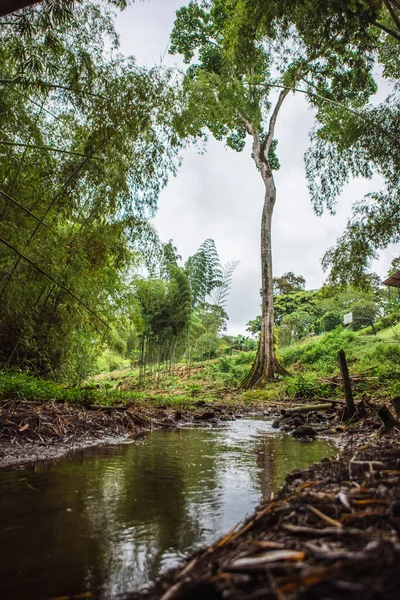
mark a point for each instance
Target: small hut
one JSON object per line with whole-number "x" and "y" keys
{"x": 393, "y": 281}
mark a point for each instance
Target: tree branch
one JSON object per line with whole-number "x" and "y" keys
{"x": 392, "y": 14}
{"x": 32, "y": 146}
{"x": 5, "y": 195}
{"x": 256, "y": 138}
{"x": 31, "y": 262}
{"x": 56, "y": 86}
{"x": 272, "y": 122}
{"x": 387, "y": 30}
{"x": 395, "y": 2}
{"x": 295, "y": 89}
{"x": 247, "y": 124}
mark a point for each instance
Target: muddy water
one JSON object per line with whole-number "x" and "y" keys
{"x": 107, "y": 521}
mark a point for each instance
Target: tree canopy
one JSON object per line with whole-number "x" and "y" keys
{"x": 360, "y": 142}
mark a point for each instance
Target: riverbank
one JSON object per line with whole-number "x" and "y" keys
{"x": 36, "y": 431}
{"x": 332, "y": 532}
{"x": 31, "y": 432}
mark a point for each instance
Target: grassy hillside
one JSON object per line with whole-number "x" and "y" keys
{"x": 374, "y": 364}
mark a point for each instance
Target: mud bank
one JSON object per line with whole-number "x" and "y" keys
{"x": 32, "y": 432}
{"x": 331, "y": 532}
{"x": 46, "y": 431}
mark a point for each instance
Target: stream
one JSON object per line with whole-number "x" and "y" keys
{"x": 111, "y": 519}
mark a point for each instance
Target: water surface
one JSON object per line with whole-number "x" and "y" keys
{"x": 112, "y": 519}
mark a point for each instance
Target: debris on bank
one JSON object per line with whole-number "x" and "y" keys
{"x": 332, "y": 532}
{"x": 33, "y": 431}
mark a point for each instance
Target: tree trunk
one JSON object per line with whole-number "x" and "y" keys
{"x": 266, "y": 364}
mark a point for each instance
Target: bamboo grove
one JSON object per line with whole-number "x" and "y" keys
{"x": 86, "y": 146}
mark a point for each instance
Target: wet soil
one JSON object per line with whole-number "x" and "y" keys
{"x": 46, "y": 431}
{"x": 332, "y": 532}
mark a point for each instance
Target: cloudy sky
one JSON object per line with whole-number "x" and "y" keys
{"x": 219, "y": 194}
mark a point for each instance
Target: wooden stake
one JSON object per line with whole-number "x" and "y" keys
{"x": 348, "y": 394}
{"x": 388, "y": 419}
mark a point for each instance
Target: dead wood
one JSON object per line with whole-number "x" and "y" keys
{"x": 388, "y": 419}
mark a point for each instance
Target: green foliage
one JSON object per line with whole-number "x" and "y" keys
{"x": 254, "y": 326}
{"x": 26, "y": 387}
{"x": 110, "y": 360}
{"x": 322, "y": 352}
{"x": 330, "y": 320}
{"x": 219, "y": 295}
{"x": 204, "y": 271}
{"x": 241, "y": 342}
{"x": 288, "y": 282}
{"x": 303, "y": 301}
{"x": 164, "y": 316}
{"x": 387, "y": 321}
{"x": 207, "y": 346}
{"x": 231, "y": 370}
{"x": 194, "y": 389}
{"x": 363, "y": 350}
{"x": 81, "y": 173}
{"x": 386, "y": 352}
{"x": 306, "y": 386}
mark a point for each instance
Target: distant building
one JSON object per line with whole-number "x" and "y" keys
{"x": 393, "y": 281}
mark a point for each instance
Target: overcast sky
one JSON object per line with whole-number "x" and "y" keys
{"x": 219, "y": 194}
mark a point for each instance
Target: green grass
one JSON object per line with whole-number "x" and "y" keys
{"x": 373, "y": 360}
{"x": 19, "y": 386}
{"x": 26, "y": 387}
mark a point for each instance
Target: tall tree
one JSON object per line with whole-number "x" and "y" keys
{"x": 228, "y": 92}
{"x": 345, "y": 144}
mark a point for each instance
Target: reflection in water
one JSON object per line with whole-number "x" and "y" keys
{"x": 112, "y": 519}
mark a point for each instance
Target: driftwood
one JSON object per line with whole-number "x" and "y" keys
{"x": 309, "y": 408}
{"x": 52, "y": 422}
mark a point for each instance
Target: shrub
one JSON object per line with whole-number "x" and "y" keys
{"x": 245, "y": 358}
{"x": 386, "y": 352}
{"x": 306, "y": 387}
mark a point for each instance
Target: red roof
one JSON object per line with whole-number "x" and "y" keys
{"x": 393, "y": 280}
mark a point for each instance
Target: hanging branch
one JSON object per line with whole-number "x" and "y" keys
{"x": 54, "y": 86}
{"x": 392, "y": 13}
{"x": 307, "y": 93}
{"x": 31, "y": 262}
{"x": 41, "y": 220}
{"x": 32, "y": 146}
{"x": 22, "y": 207}
{"x": 22, "y": 159}
{"x": 387, "y": 30}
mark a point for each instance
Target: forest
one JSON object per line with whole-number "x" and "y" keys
{"x": 109, "y": 331}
